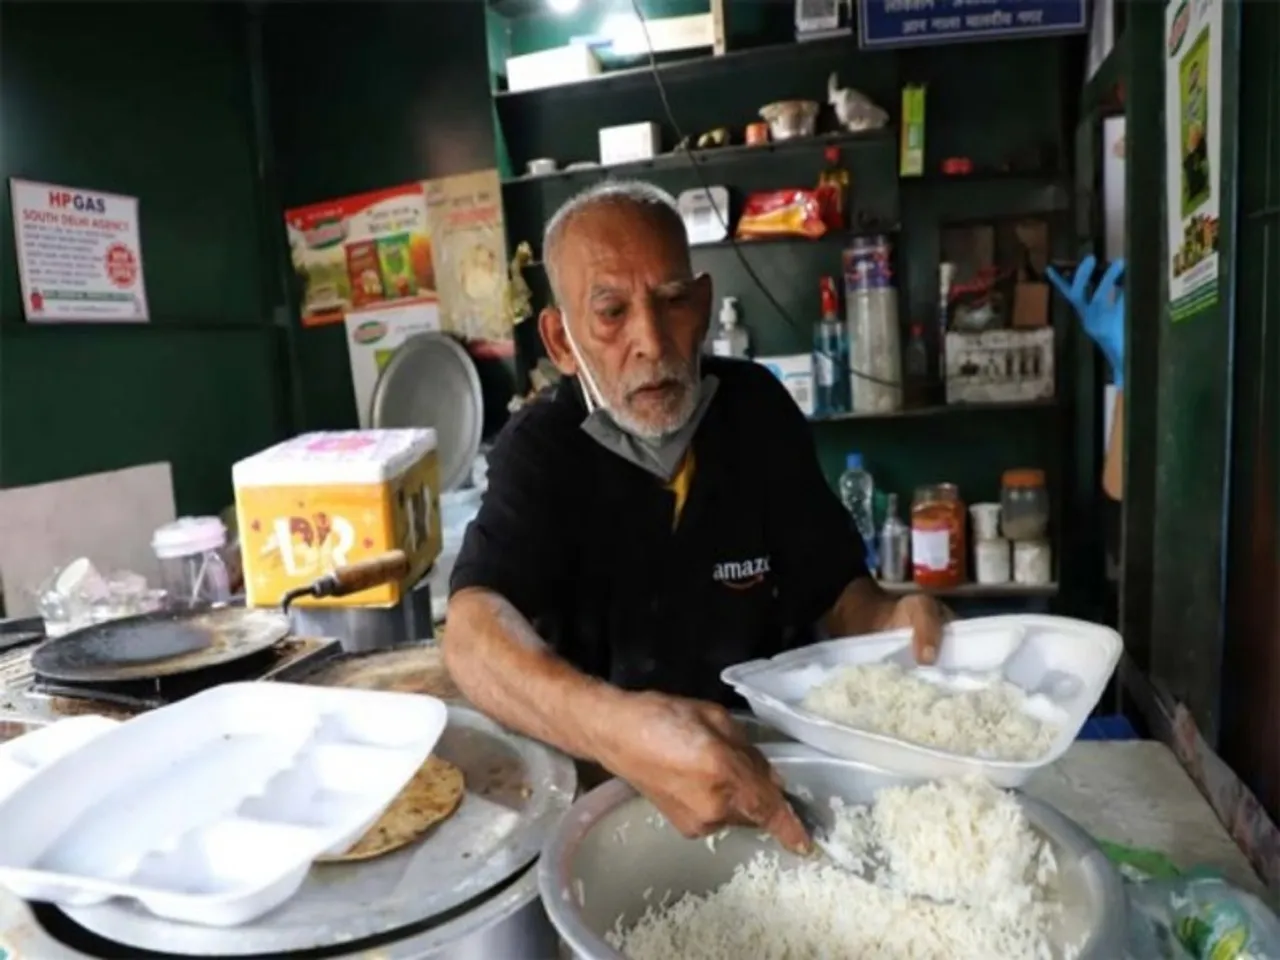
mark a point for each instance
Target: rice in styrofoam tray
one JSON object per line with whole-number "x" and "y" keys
{"x": 989, "y": 722}
{"x": 953, "y": 871}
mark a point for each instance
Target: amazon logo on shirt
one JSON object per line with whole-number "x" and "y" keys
{"x": 741, "y": 574}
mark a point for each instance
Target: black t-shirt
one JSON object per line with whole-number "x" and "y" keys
{"x": 583, "y": 542}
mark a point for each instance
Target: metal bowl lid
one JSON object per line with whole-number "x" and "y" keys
{"x": 517, "y": 790}
{"x": 431, "y": 381}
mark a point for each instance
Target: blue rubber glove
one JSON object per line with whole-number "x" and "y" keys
{"x": 1102, "y": 315}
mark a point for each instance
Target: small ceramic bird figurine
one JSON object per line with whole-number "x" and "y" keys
{"x": 854, "y": 110}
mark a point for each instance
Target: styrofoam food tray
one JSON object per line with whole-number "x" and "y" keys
{"x": 1062, "y": 664}
{"x": 22, "y": 756}
{"x": 211, "y": 810}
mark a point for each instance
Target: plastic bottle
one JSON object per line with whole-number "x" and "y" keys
{"x": 831, "y": 355}
{"x": 731, "y": 340}
{"x": 857, "y": 493}
{"x": 871, "y": 311}
{"x": 895, "y": 544}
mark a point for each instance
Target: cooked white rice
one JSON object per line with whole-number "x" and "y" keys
{"x": 962, "y": 877}
{"x": 989, "y": 722}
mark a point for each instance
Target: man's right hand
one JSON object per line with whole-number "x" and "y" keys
{"x": 695, "y": 764}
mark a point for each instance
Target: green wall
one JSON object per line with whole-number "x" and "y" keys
{"x": 150, "y": 100}
{"x": 408, "y": 101}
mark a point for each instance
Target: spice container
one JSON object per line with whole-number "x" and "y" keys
{"x": 986, "y": 521}
{"x": 991, "y": 560}
{"x": 1024, "y": 504}
{"x": 191, "y": 563}
{"x": 938, "y": 543}
{"x": 1032, "y": 562}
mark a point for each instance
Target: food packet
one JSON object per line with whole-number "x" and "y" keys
{"x": 396, "y": 259}
{"x": 1199, "y": 918}
{"x": 782, "y": 213}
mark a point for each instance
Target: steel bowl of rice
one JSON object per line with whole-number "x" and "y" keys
{"x": 946, "y": 870}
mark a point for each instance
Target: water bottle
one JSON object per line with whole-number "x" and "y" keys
{"x": 857, "y": 493}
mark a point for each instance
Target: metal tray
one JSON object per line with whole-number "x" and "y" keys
{"x": 234, "y": 631}
{"x": 517, "y": 791}
{"x": 431, "y": 381}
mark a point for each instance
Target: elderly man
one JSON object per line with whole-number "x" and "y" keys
{"x": 661, "y": 517}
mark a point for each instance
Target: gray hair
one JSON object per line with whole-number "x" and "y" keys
{"x": 651, "y": 200}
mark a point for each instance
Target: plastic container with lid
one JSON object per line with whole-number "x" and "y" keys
{"x": 325, "y": 500}
{"x": 191, "y": 563}
{"x": 938, "y": 542}
{"x": 1024, "y": 504}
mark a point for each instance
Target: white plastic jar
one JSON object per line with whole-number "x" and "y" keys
{"x": 191, "y": 563}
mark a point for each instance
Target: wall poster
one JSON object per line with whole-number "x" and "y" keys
{"x": 1193, "y": 151}
{"x": 362, "y": 252}
{"x": 465, "y": 212}
{"x": 79, "y": 254}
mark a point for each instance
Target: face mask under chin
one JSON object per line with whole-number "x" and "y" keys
{"x": 660, "y": 456}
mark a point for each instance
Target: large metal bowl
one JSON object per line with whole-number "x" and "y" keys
{"x": 612, "y": 846}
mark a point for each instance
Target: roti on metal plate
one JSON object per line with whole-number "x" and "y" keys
{"x": 430, "y": 797}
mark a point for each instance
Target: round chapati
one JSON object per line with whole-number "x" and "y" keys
{"x": 430, "y": 797}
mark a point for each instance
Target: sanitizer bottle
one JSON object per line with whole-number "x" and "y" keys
{"x": 730, "y": 340}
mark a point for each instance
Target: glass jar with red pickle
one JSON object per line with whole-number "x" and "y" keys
{"x": 939, "y": 548}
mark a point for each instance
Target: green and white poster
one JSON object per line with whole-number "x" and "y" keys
{"x": 1193, "y": 149}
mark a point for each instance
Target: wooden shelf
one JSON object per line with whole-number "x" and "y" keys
{"x": 715, "y": 155}
{"x": 685, "y": 68}
{"x": 977, "y": 590}
{"x": 941, "y": 410}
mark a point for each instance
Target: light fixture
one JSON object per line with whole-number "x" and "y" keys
{"x": 563, "y": 7}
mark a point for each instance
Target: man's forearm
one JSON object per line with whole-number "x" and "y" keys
{"x": 502, "y": 666}
{"x": 862, "y": 607}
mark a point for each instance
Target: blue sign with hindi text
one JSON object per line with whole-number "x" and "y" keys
{"x": 913, "y": 23}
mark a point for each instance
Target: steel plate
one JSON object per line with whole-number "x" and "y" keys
{"x": 234, "y": 632}
{"x": 517, "y": 791}
{"x": 431, "y": 381}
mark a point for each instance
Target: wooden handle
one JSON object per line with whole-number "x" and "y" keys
{"x": 370, "y": 573}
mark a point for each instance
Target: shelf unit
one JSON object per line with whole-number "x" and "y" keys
{"x": 966, "y": 444}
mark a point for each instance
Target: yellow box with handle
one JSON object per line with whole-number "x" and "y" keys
{"x": 325, "y": 500}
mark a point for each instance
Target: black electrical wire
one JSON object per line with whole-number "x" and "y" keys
{"x": 697, "y": 169}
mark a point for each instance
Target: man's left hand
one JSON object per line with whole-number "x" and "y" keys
{"x": 926, "y": 617}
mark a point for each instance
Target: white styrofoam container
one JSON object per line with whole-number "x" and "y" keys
{"x": 22, "y": 757}
{"x": 629, "y": 142}
{"x": 211, "y": 810}
{"x": 1063, "y": 664}
{"x": 551, "y": 68}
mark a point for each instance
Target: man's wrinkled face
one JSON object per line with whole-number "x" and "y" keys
{"x": 636, "y": 313}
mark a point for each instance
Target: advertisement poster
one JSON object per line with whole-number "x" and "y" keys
{"x": 470, "y": 255}
{"x": 917, "y": 23}
{"x": 372, "y": 338}
{"x": 363, "y": 252}
{"x": 79, "y": 254}
{"x": 1193, "y": 144}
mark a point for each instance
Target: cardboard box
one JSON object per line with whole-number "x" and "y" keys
{"x": 796, "y": 373}
{"x": 629, "y": 143}
{"x": 551, "y": 68}
{"x": 324, "y": 500}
